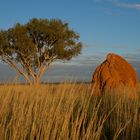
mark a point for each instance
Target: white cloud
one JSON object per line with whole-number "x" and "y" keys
{"x": 135, "y": 6}
{"x": 128, "y": 5}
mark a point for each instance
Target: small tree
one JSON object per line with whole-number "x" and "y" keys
{"x": 32, "y": 47}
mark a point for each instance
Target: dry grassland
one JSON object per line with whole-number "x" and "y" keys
{"x": 66, "y": 112}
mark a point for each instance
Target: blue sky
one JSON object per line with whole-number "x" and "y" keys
{"x": 104, "y": 25}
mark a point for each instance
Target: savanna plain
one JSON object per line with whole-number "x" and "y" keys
{"x": 67, "y": 112}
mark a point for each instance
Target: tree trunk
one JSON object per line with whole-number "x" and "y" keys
{"x": 28, "y": 73}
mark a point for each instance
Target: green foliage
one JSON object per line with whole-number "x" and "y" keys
{"x": 38, "y": 43}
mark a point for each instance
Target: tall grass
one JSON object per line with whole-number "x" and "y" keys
{"x": 66, "y": 112}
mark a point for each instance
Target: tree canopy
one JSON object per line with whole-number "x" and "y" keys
{"x": 32, "y": 47}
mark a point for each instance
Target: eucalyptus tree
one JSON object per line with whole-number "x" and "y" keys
{"x": 30, "y": 48}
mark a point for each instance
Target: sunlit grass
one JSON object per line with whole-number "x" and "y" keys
{"x": 66, "y": 112}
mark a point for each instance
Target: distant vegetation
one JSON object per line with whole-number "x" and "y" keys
{"x": 66, "y": 112}
{"x": 32, "y": 47}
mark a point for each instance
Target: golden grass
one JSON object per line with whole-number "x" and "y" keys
{"x": 66, "y": 112}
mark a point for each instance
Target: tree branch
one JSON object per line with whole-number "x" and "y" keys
{"x": 43, "y": 68}
{"x": 25, "y": 64}
{"x": 14, "y": 65}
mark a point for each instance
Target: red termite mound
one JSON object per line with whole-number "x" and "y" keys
{"x": 114, "y": 73}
